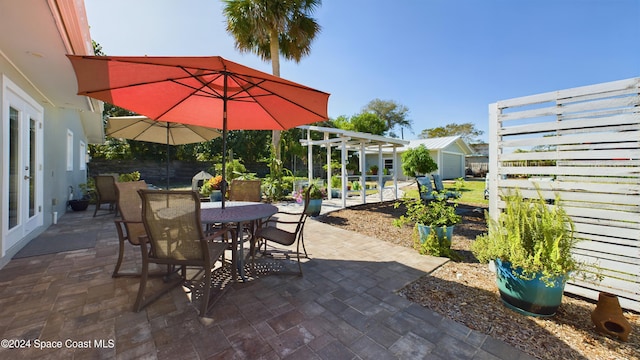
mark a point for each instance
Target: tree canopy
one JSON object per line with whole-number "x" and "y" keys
{"x": 363, "y": 122}
{"x": 467, "y": 131}
{"x": 270, "y": 28}
{"x": 418, "y": 161}
{"x": 392, "y": 113}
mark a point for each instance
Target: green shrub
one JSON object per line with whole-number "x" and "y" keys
{"x": 531, "y": 235}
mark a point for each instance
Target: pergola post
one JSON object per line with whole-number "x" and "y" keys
{"x": 343, "y": 158}
{"x": 363, "y": 165}
{"x": 328, "y": 145}
{"x": 380, "y": 172}
{"x": 395, "y": 172}
{"x": 309, "y": 156}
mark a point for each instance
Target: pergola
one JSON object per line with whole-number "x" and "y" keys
{"x": 362, "y": 143}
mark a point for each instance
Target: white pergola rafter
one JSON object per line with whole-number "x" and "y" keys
{"x": 362, "y": 143}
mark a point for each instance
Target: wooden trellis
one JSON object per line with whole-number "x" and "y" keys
{"x": 584, "y": 145}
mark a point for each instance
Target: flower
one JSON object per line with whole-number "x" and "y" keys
{"x": 214, "y": 183}
{"x": 315, "y": 193}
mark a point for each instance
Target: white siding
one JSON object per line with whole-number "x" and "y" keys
{"x": 587, "y": 141}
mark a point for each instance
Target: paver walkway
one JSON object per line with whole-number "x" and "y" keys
{"x": 345, "y": 307}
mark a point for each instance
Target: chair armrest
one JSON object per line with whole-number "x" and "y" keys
{"x": 220, "y": 232}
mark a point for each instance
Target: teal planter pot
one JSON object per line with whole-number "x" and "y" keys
{"x": 528, "y": 297}
{"x": 216, "y": 195}
{"x": 313, "y": 209}
{"x": 441, "y": 232}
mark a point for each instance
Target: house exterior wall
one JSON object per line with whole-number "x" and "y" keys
{"x": 56, "y": 179}
{"x": 450, "y": 160}
{"x": 38, "y": 88}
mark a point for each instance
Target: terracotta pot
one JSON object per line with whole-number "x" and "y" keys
{"x": 608, "y": 318}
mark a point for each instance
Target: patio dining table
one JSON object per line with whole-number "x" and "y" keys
{"x": 238, "y": 213}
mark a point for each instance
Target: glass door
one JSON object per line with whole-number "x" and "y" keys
{"x": 24, "y": 167}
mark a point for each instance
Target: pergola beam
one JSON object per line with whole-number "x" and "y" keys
{"x": 364, "y": 144}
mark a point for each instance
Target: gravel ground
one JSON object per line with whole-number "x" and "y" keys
{"x": 466, "y": 292}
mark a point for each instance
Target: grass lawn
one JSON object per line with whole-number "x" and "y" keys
{"x": 472, "y": 192}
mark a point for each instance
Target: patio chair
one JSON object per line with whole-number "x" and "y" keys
{"x": 437, "y": 181}
{"x": 130, "y": 226}
{"x": 425, "y": 188}
{"x": 283, "y": 231}
{"x": 175, "y": 237}
{"x": 245, "y": 190}
{"x": 106, "y": 193}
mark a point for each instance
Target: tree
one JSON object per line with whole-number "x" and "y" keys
{"x": 269, "y": 28}
{"x": 418, "y": 161}
{"x": 467, "y": 131}
{"x": 392, "y": 113}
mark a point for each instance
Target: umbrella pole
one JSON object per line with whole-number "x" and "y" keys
{"x": 224, "y": 141}
{"x": 167, "y": 156}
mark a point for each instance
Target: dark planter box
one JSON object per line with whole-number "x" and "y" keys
{"x": 79, "y": 205}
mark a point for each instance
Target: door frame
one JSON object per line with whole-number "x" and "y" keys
{"x": 14, "y": 97}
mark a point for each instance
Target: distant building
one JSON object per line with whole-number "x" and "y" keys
{"x": 448, "y": 152}
{"x": 478, "y": 161}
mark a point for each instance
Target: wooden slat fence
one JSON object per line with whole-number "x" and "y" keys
{"x": 583, "y": 144}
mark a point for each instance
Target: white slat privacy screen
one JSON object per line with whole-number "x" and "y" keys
{"x": 584, "y": 145}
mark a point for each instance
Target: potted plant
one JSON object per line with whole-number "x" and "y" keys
{"x": 433, "y": 225}
{"x": 374, "y": 169}
{"x": 82, "y": 203}
{"x": 212, "y": 188}
{"x": 530, "y": 243}
{"x": 352, "y": 165}
{"x": 316, "y": 194}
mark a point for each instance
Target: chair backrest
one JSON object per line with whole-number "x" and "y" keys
{"x": 437, "y": 181}
{"x": 425, "y": 188}
{"x": 130, "y": 206}
{"x": 173, "y": 226}
{"x": 105, "y": 186}
{"x": 304, "y": 215}
{"x": 245, "y": 190}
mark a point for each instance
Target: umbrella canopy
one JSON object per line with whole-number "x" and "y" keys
{"x": 141, "y": 128}
{"x": 206, "y": 91}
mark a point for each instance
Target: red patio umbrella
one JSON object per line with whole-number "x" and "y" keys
{"x": 204, "y": 91}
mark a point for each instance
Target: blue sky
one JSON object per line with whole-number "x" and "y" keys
{"x": 445, "y": 60}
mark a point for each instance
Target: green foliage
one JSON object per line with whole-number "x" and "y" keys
{"x": 233, "y": 169}
{"x": 366, "y": 122}
{"x": 391, "y": 113}
{"x": 531, "y": 235}
{"x": 336, "y": 182}
{"x": 253, "y": 24}
{"x": 418, "y": 161}
{"x": 467, "y": 131}
{"x": 459, "y": 184}
{"x": 434, "y": 213}
{"x": 273, "y": 185}
{"x": 433, "y": 245}
{"x": 132, "y": 176}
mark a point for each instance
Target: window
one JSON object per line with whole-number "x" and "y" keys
{"x": 388, "y": 164}
{"x": 83, "y": 156}
{"x": 69, "y": 150}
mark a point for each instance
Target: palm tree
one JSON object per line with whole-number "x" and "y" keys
{"x": 269, "y": 28}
